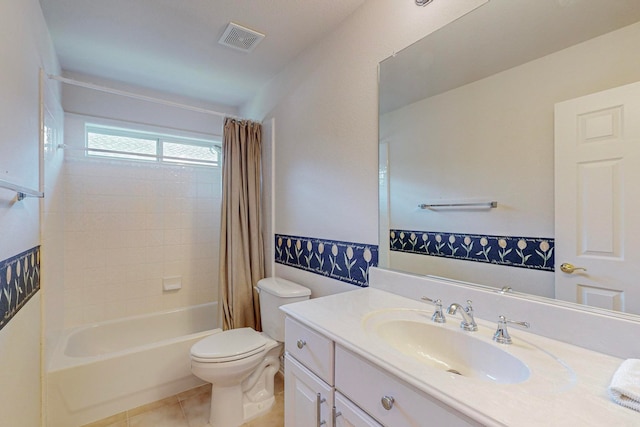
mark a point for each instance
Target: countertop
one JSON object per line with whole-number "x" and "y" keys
{"x": 567, "y": 386}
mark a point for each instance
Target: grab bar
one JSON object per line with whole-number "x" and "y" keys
{"x": 21, "y": 191}
{"x": 492, "y": 204}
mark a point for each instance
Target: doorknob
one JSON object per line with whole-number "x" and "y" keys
{"x": 570, "y": 268}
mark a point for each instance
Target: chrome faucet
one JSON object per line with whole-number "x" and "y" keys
{"x": 438, "y": 316}
{"x": 502, "y": 334}
{"x": 468, "y": 322}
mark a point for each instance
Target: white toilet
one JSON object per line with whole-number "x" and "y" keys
{"x": 241, "y": 363}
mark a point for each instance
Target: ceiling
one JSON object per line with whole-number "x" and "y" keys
{"x": 172, "y": 46}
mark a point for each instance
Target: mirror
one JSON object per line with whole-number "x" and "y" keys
{"x": 467, "y": 119}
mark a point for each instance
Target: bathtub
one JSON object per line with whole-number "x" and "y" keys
{"x": 106, "y": 368}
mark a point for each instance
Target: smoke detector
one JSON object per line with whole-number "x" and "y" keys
{"x": 240, "y": 38}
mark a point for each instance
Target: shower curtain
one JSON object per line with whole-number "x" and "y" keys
{"x": 241, "y": 248}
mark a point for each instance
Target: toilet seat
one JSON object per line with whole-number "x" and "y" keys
{"x": 227, "y": 346}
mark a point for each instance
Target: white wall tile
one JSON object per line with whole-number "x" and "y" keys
{"x": 126, "y": 228}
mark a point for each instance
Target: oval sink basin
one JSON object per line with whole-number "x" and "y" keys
{"x": 450, "y": 349}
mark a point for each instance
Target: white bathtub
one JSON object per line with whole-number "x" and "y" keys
{"x": 106, "y": 368}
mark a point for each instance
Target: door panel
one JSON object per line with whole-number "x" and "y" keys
{"x": 597, "y": 198}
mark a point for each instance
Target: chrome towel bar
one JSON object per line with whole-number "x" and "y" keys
{"x": 21, "y": 191}
{"x": 492, "y": 204}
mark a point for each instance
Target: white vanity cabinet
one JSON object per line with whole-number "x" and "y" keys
{"x": 309, "y": 374}
{"x": 378, "y": 376}
{"x": 327, "y": 385}
{"x": 388, "y": 399}
{"x": 347, "y": 414}
{"x": 308, "y": 400}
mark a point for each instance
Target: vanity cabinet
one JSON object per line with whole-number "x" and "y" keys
{"x": 308, "y": 400}
{"x": 328, "y": 385}
{"x": 309, "y": 373}
{"x": 313, "y": 350}
{"x": 388, "y": 399}
{"x": 347, "y": 414}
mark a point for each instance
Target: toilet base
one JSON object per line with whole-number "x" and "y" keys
{"x": 234, "y": 405}
{"x": 253, "y": 410}
{"x": 229, "y": 409}
{"x": 226, "y": 407}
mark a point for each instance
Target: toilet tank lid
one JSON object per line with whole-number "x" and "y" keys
{"x": 282, "y": 288}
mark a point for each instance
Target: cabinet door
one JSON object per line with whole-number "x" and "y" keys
{"x": 308, "y": 400}
{"x": 349, "y": 415}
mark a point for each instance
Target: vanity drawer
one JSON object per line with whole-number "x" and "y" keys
{"x": 367, "y": 385}
{"x": 310, "y": 348}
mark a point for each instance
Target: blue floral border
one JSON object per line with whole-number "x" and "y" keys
{"x": 345, "y": 261}
{"x": 19, "y": 281}
{"x": 513, "y": 251}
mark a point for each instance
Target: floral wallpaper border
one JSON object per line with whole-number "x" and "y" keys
{"x": 345, "y": 261}
{"x": 513, "y": 251}
{"x": 19, "y": 281}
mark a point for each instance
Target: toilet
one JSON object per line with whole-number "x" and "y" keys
{"x": 241, "y": 363}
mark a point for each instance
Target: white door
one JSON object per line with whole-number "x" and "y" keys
{"x": 597, "y": 199}
{"x": 308, "y": 400}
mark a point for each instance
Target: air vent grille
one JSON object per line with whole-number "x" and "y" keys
{"x": 240, "y": 38}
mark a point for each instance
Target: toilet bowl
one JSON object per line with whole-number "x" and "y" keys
{"x": 241, "y": 363}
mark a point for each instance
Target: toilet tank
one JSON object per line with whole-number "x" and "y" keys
{"x": 275, "y": 292}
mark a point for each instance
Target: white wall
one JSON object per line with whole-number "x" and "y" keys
{"x": 326, "y": 126}
{"x": 25, "y": 47}
{"x": 503, "y": 152}
{"x": 129, "y": 224}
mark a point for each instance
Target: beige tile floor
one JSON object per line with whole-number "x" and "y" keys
{"x": 189, "y": 409}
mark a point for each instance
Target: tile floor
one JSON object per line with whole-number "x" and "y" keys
{"x": 190, "y": 409}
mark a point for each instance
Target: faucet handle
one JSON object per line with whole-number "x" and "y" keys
{"x": 438, "y": 315}
{"x": 469, "y": 325}
{"x": 469, "y": 307}
{"x": 502, "y": 334}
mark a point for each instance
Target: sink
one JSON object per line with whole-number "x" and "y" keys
{"x": 446, "y": 347}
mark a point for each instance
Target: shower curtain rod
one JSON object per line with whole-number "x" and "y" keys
{"x": 105, "y": 89}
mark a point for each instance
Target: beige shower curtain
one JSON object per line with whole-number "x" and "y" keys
{"x": 241, "y": 249}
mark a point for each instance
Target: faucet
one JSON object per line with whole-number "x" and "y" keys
{"x": 502, "y": 334}
{"x": 438, "y": 316}
{"x": 468, "y": 322}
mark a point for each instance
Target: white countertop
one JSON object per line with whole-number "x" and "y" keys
{"x": 567, "y": 386}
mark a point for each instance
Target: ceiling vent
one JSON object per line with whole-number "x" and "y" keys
{"x": 240, "y": 38}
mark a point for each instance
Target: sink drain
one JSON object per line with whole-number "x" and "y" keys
{"x": 453, "y": 371}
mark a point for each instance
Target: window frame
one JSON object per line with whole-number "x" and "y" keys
{"x": 159, "y": 137}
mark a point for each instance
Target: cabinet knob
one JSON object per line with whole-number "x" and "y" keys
{"x": 301, "y": 343}
{"x": 387, "y": 402}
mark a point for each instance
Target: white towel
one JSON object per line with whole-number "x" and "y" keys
{"x": 625, "y": 384}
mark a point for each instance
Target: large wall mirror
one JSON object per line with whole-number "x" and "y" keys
{"x": 467, "y": 136}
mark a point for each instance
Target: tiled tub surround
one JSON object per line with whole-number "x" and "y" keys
{"x": 102, "y": 369}
{"x": 512, "y": 251}
{"x": 127, "y": 225}
{"x": 577, "y": 397}
{"x": 19, "y": 281}
{"x": 345, "y": 261}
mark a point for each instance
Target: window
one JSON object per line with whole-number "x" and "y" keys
{"x": 104, "y": 141}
